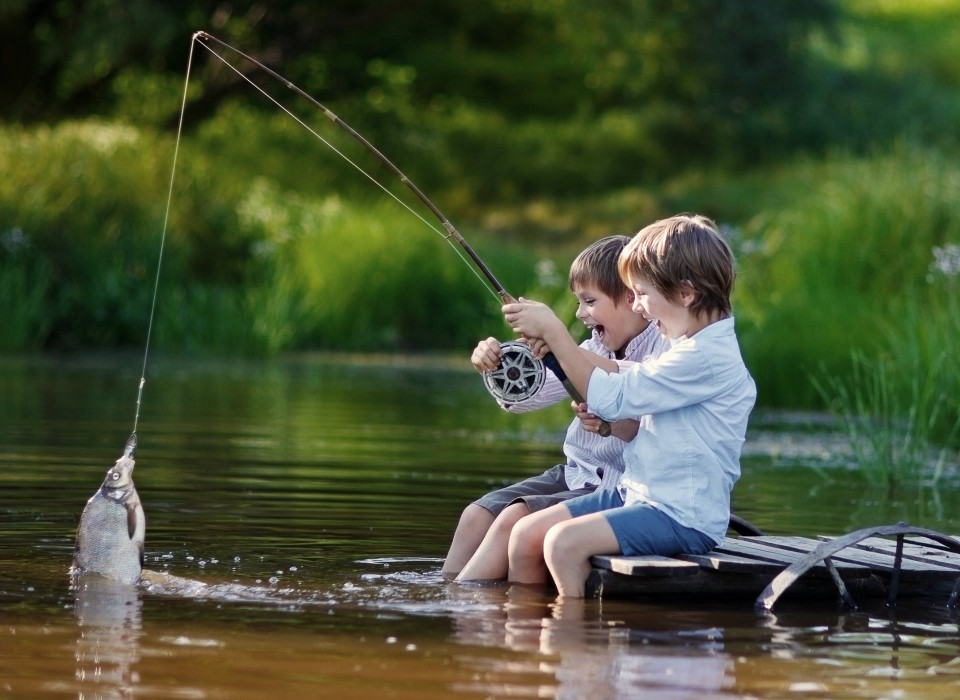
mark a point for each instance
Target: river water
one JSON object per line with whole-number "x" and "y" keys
{"x": 312, "y": 500}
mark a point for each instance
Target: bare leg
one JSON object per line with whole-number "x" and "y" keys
{"x": 473, "y": 526}
{"x": 489, "y": 563}
{"x": 568, "y": 546}
{"x": 525, "y": 552}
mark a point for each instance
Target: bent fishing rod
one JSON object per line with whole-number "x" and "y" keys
{"x": 520, "y": 375}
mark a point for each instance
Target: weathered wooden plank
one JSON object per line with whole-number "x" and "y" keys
{"x": 878, "y": 560}
{"x": 762, "y": 548}
{"x": 929, "y": 543}
{"x": 729, "y": 563}
{"x": 744, "y": 565}
{"x": 648, "y": 565}
{"x": 929, "y": 554}
{"x": 831, "y": 551}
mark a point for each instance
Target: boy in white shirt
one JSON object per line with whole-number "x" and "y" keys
{"x": 479, "y": 547}
{"x": 692, "y": 403}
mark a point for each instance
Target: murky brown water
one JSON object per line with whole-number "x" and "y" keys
{"x": 315, "y": 497}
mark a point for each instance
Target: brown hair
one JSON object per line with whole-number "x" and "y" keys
{"x": 683, "y": 249}
{"x": 597, "y": 265}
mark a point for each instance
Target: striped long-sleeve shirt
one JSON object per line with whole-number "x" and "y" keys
{"x": 592, "y": 460}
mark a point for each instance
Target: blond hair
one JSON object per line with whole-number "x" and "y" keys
{"x": 683, "y": 250}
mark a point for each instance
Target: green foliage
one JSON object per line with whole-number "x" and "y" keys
{"x": 365, "y": 277}
{"x": 823, "y": 141}
{"x": 894, "y": 75}
{"x": 24, "y": 282}
{"x": 85, "y": 199}
{"x": 625, "y": 81}
{"x": 71, "y": 195}
{"x": 895, "y": 416}
{"x": 822, "y": 276}
{"x": 247, "y": 268}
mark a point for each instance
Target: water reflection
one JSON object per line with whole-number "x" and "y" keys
{"x": 109, "y": 627}
{"x": 309, "y": 502}
{"x": 591, "y": 649}
{"x": 588, "y": 654}
{"x": 569, "y": 648}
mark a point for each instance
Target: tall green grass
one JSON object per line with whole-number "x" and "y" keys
{"x": 24, "y": 279}
{"x": 902, "y": 407}
{"x": 848, "y": 298}
{"x": 847, "y": 250}
{"x": 248, "y": 267}
{"x": 75, "y": 201}
{"x": 368, "y": 276}
{"x": 897, "y": 418}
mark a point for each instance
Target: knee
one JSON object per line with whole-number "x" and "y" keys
{"x": 522, "y": 541}
{"x": 556, "y": 547}
{"x": 511, "y": 515}
{"x": 474, "y": 516}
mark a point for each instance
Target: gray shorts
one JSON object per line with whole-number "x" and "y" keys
{"x": 537, "y": 492}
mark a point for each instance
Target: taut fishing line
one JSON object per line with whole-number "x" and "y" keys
{"x": 451, "y": 232}
{"x": 163, "y": 239}
{"x": 521, "y": 374}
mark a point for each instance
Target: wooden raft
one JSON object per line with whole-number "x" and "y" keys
{"x": 866, "y": 563}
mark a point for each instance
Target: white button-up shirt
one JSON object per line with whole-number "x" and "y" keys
{"x": 593, "y": 460}
{"x": 693, "y": 402}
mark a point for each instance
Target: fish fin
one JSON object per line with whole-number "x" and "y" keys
{"x": 131, "y": 519}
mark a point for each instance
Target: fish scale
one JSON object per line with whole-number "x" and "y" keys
{"x": 112, "y": 527}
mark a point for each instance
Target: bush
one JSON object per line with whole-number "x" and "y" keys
{"x": 846, "y": 265}
{"x": 369, "y": 277}
{"x": 81, "y": 200}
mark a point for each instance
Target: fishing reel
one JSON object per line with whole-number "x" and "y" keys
{"x": 519, "y": 376}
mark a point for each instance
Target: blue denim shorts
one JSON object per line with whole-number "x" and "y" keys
{"x": 640, "y": 528}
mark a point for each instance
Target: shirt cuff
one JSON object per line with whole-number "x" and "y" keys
{"x": 603, "y": 388}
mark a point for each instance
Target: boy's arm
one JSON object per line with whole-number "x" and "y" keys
{"x": 537, "y": 321}
{"x": 626, "y": 429}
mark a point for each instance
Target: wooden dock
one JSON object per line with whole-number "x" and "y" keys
{"x": 891, "y": 561}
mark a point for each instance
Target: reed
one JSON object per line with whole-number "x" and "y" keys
{"x": 824, "y": 271}
{"x": 901, "y": 407}
{"x": 895, "y": 417}
{"x": 76, "y": 201}
{"x": 248, "y": 267}
{"x": 24, "y": 280}
{"x": 370, "y": 276}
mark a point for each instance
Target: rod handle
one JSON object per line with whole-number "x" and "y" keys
{"x": 553, "y": 365}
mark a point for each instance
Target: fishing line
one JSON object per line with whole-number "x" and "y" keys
{"x": 512, "y": 381}
{"x": 451, "y": 233}
{"x": 163, "y": 239}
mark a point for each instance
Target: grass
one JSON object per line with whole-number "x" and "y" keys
{"x": 823, "y": 271}
{"x": 894, "y": 417}
{"x": 847, "y": 291}
{"x": 249, "y": 268}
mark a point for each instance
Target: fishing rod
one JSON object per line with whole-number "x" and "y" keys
{"x": 520, "y": 374}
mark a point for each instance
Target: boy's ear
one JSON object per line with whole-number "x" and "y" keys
{"x": 688, "y": 293}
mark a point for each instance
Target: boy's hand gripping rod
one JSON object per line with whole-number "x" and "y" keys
{"x": 510, "y": 373}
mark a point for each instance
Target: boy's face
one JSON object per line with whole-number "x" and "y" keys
{"x": 672, "y": 318}
{"x": 616, "y": 324}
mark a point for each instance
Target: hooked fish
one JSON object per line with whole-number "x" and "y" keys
{"x": 112, "y": 527}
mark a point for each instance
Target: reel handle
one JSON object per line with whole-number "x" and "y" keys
{"x": 553, "y": 365}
